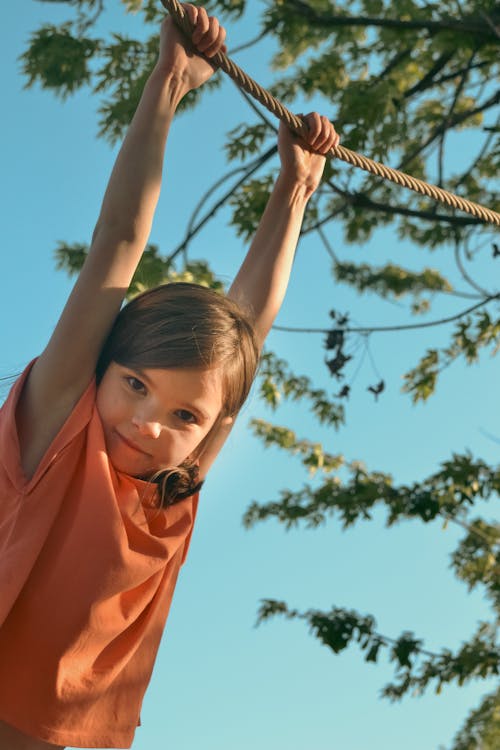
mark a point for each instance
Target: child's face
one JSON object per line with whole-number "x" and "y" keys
{"x": 154, "y": 419}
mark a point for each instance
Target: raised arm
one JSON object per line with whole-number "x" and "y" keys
{"x": 262, "y": 280}
{"x": 67, "y": 364}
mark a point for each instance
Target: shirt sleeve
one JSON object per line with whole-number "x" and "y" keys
{"x": 28, "y": 507}
{"x": 10, "y": 455}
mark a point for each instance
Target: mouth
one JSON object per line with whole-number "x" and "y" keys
{"x": 131, "y": 444}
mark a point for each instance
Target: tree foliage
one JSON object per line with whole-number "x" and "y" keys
{"x": 400, "y": 79}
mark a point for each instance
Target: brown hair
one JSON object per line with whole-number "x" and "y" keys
{"x": 185, "y": 325}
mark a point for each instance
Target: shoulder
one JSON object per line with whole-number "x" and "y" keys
{"x": 27, "y": 444}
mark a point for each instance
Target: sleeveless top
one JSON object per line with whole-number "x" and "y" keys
{"x": 88, "y": 567}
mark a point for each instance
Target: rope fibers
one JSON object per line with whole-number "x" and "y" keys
{"x": 351, "y": 157}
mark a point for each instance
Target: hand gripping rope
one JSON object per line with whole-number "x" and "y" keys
{"x": 351, "y": 157}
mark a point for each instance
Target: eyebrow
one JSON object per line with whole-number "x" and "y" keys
{"x": 182, "y": 405}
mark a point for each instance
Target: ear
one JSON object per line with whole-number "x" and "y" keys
{"x": 227, "y": 422}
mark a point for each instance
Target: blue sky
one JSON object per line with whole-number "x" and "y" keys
{"x": 219, "y": 682}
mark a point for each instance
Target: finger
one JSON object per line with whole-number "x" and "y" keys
{"x": 334, "y": 139}
{"x": 314, "y": 126}
{"x": 210, "y": 38}
{"x": 191, "y": 12}
{"x": 217, "y": 45}
{"x": 319, "y": 142}
{"x": 202, "y": 25}
{"x": 327, "y": 138}
{"x": 322, "y": 134}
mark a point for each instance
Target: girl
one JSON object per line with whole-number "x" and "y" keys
{"x": 107, "y": 436}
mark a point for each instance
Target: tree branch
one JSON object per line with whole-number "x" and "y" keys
{"x": 398, "y": 57}
{"x": 478, "y": 158}
{"x": 428, "y": 77}
{"x": 489, "y": 21}
{"x": 84, "y": 23}
{"x": 193, "y": 230}
{"x": 468, "y": 24}
{"x": 361, "y": 200}
{"x": 448, "y": 117}
{"x": 271, "y": 607}
{"x": 250, "y": 43}
{"x": 455, "y": 73}
{"x": 384, "y": 329}
{"x": 464, "y": 273}
{"x": 450, "y": 292}
{"x": 457, "y": 120}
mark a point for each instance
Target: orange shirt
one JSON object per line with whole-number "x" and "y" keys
{"x": 88, "y": 568}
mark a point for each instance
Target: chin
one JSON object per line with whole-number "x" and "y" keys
{"x": 135, "y": 467}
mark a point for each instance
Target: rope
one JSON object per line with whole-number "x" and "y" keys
{"x": 351, "y": 157}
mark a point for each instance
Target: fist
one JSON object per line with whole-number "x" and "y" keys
{"x": 303, "y": 158}
{"x": 178, "y": 53}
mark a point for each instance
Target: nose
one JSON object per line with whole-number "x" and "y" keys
{"x": 146, "y": 427}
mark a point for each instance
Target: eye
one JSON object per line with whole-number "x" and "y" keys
{"x": 186, "y": 416}
{"x": 135, "y": 384}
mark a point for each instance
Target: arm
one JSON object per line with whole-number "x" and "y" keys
{"x": 67, "y": 364}
{"x": 262, "y": 280}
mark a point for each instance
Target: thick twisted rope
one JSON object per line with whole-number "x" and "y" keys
{"x": 351, "y": 157}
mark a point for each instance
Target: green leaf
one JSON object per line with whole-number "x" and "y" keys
{"x": 57, "y": 60}
{"x": 390, "y": 279}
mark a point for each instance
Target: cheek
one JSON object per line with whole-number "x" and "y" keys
{"x": 175, "y": 447}
{"x": 110, "y": 408}
{"x": 101, "y": 403}
{"x": 168, "y": 451}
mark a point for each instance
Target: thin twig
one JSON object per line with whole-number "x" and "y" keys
{"x": 246, "y": 45}
{"x": 470, "y": 529}
{"x": 480, "y": 155}
{"x": 383, "y": 329}
{"x": 256, "y": 165}
{"x": 464, "y": 273}
{"x": 457, "y": 120}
